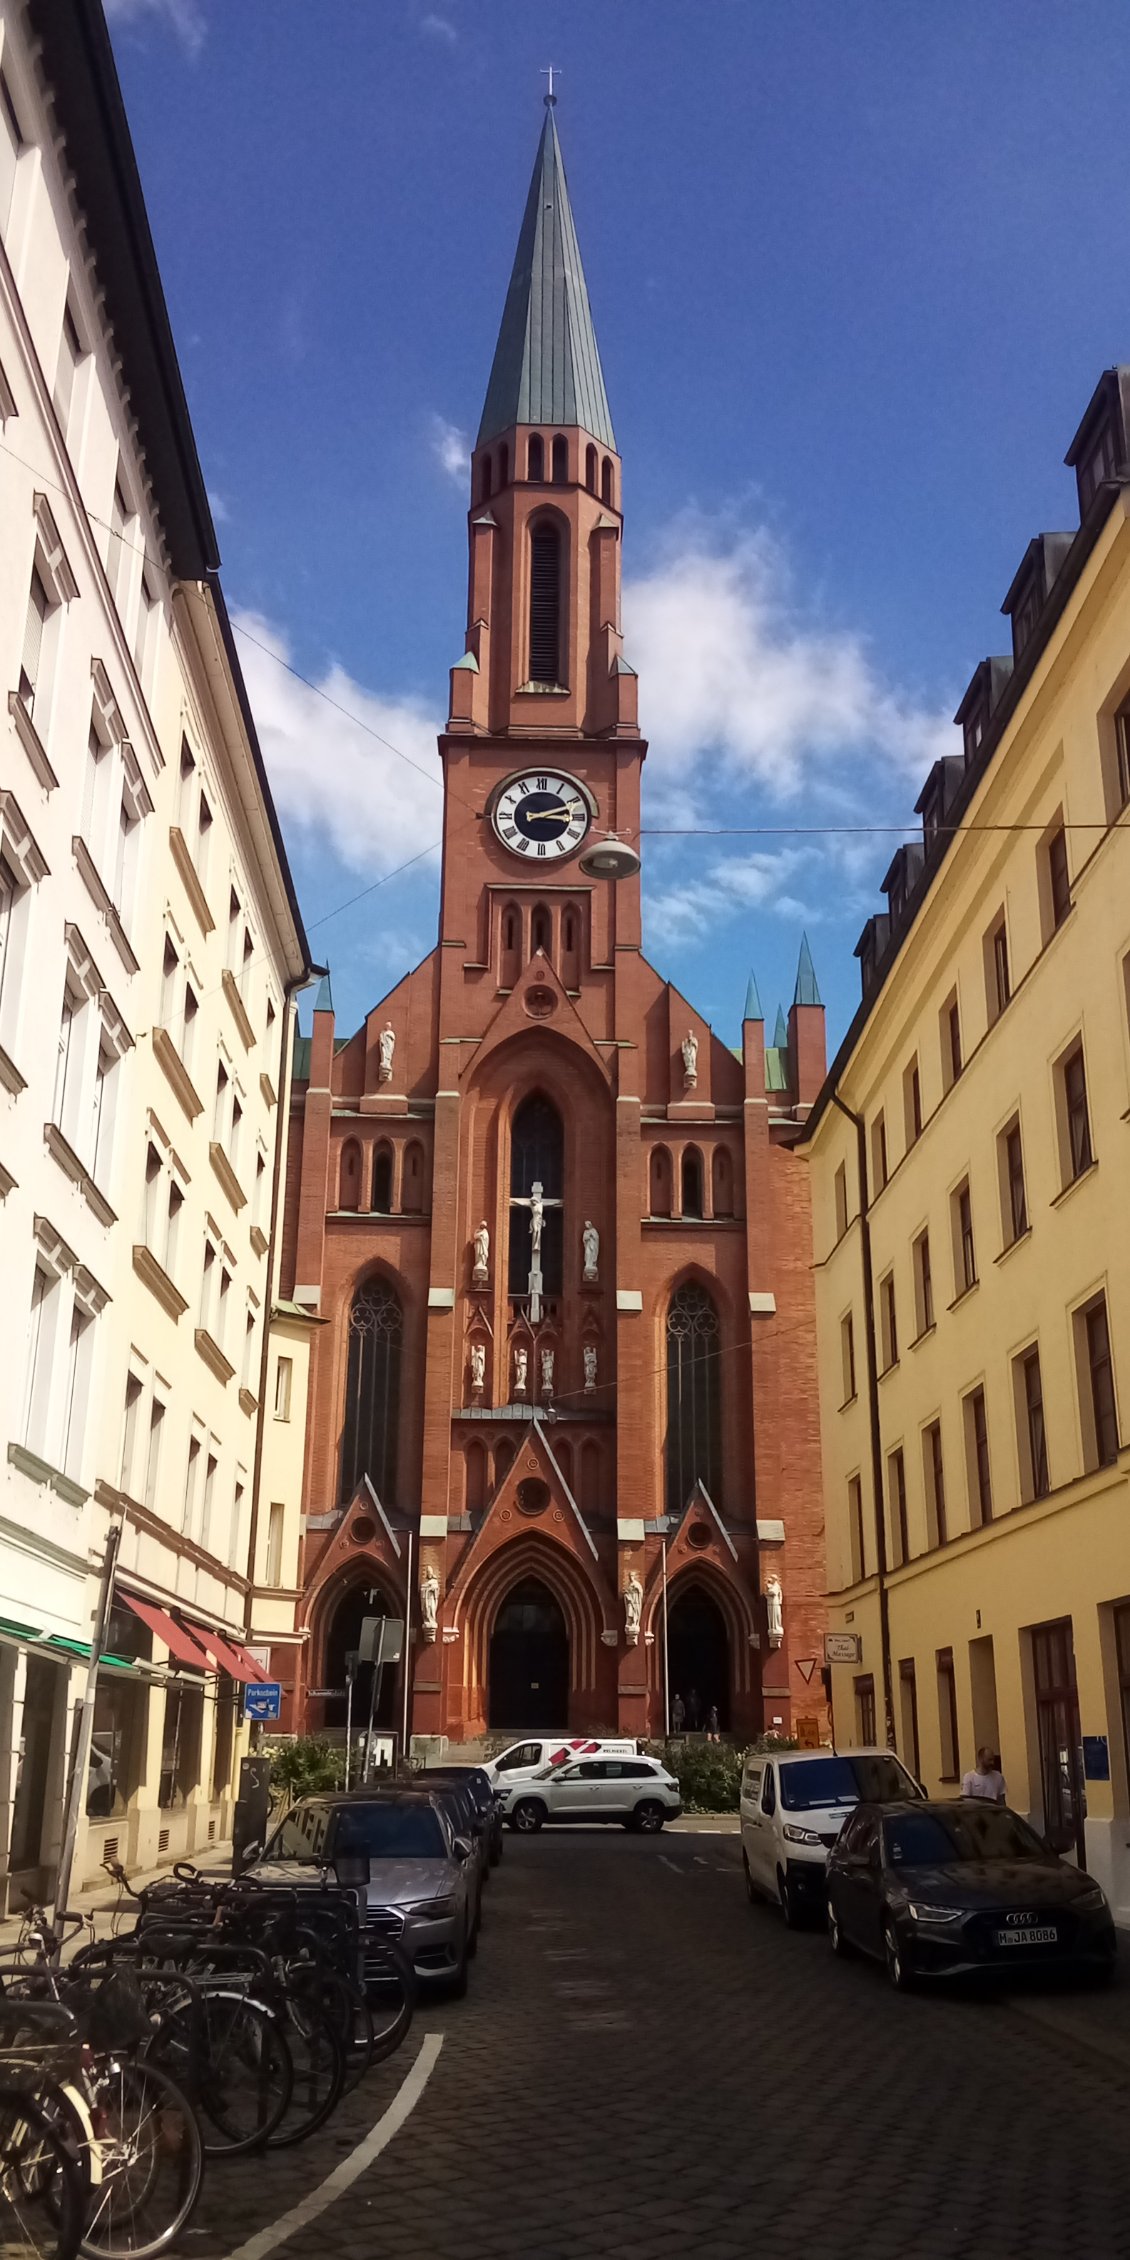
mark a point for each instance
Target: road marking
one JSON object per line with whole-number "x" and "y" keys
{"x": 699, "y": 1861}
{"x": 672, "y": 1864}
{"x": 335, "y": 2185}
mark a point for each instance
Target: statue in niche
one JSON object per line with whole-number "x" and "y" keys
{"x": 547, "y": 1373}
{"x": 429, "y": 1601}
{"x": 589, "y": 1355}
{"x": 478, "y": 1367}
{"x": 481, "y": 1271}
{"x": 386, "y": 1042}
{"x": 590, "y": 1242}
{"x": 690, "y": 1059}
{"x": 633, "y": 1608}
{"x": 774, "y": 1610}
{"x": 521, "y": 1367}
{"x": 537, "y": 1220}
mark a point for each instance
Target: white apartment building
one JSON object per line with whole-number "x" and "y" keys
{"x": 150, "y": 950}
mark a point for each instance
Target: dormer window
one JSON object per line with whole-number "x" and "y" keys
{"x": 973, "y": 733}
{"x": 1026, "y": 615}
{"x": 931, "y": 818}
{"x": 1096, "y": 465}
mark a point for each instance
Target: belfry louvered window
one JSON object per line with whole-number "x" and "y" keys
{"x": 372, "y": 1391}
{"x": 694, "y": 1429}
{"x": 545, "y": 604}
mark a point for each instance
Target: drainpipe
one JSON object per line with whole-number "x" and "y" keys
{"x": 873, "y": 1416}
{"x": 289, "y": 1015}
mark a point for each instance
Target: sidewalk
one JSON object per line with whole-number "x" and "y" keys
{"x": 103, "y": 1900}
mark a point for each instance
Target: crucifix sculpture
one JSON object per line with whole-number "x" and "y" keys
{"x": 537, "y": 1204}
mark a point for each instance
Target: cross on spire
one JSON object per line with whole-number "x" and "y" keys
{"x": 547, "y": 73}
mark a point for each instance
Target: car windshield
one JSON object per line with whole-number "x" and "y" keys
{"x": 842, "y": 1781}
{"x": 301, "y": 1836}
{"x": 926, "y": 1840}
{"x": 390, "y": 1832}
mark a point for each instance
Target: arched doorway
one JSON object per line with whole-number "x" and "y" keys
{"x": 343, "y": 1635}
{"x": 528, "y": 1673}
{"x": 698, "y": 1653}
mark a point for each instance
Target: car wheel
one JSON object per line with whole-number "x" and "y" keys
{"x": 649, "y": 1817}
{"x": 837, "y": 1937}
{"x": 529, "y": 1815}
{"x": 751, "y": 1890}
{"x": 788, "y": 1901}
{"x": 894, "y": 1958}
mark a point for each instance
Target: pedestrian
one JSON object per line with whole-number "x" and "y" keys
{"x": 678, "y": 1715}
{"x": 985, "y": 1779}
{"x": 712, "y": 1723}
{"x": 694, "y": 1710}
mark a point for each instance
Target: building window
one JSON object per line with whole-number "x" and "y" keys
{"x": 559, "y": 455}
{"x": 908, "y": 1707}
{"x": 879, "y": 1151}
{"x": 659, "y": 1182}
{"x": 977, "y": 1459}
{"x": 964, "y": 1250}
{"x": 1122, "y": 1643}
{"x": 70, "y": 354}
{"x": 545, "y": 604}
{"x": 912, "y": 1102}
{"x": 857, "y": 1549}
{"x": 42, "y": 611}
{"x": 1054, "y": 878}
{"x": 847, "y": 1356}
{"x": 864, "y": 1690}
{"x": 722, "y": 1182}
{"x": 896, "y": 1496}
{"x": 1121, "y": 758}
{"x": 691, "y": 1176}
{"x": 153, "y": 1452}
{"x": 117, "y": 553}
{"x": 372, "y": 1391}
{"x": 694, "y": 1425}
{"x": 1032, "y": 1433}
{"x": 535, "y": 458}
{"x": 503, "y": 465}
{"x": 1014, "y": 1199}
{"x": 537, "y": 1157}
{"x": 382, "y": 1180}
{"x": 275, "y": 1522}
{"x": 888, "y": 1324}
{"x": 606, "y": 482}
{"x": 923, "y": 1284}
{"x": 1058, "y": 1739}
{"x": 951, "y": 1041}
{"x": 11, "y": 145}
{"x": 841, "y": 1188}
{"x": 590, "y": 468}
{"x": 998, "y": 980}
{"x": 541, "y": 933}
{"x": 1073, "y": 1119}
{"x": 1095, "y": 1369}
{"x": 21, "y": 869}
{"x": 947, "y": 1715}
{"x": 210, "y": 1465}
{"x": 284, "y": 1376}
{"x": 934, "y": 1469}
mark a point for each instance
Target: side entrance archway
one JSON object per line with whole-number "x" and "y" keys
{"x": 698, "y": 1651}
{"x": 343, "y": 1634}
{"x": 528, "y": 1671}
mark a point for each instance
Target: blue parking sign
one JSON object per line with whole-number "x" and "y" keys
{"x": 263, "y": 1701}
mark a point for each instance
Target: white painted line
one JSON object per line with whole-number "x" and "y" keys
{"x": 699, "y": 1861}
{"x": 672, "y": 1864}
{"x": 342, "y": 2178}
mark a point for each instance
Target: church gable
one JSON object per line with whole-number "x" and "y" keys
{"x": 538, "y": 1003}
{"x": 532, "y": 1496}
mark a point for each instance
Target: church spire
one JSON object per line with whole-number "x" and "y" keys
{"x": 546, "y": 363}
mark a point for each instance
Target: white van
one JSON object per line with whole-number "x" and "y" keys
{"x": 524, "y": 1759}
{"x": 793, "y": 1804}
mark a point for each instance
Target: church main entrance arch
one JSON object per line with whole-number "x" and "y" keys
{"x": 698, "y": 1655}
{"x": 343, "y": 1634}
{"x": 528, "y": 1669}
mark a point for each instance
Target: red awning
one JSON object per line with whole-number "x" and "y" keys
{"x": 228, "y": 1654}
{"x": 178, "y": 1642}
{"x": 254, "y": 1671}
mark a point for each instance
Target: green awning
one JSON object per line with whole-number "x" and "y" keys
{"x": 20, "y": 1631}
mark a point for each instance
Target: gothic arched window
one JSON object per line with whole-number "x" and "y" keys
{"x": 412, "y": 1180}
{"x": 535, "y": 458}
{"x": 692, "y": 1182}
{"x": 606, "y": 481}
{"x": 694, "y": 1439}
{"x": 541, "y": 932}
{"x": 503, "y": 464}
{"x": 560, "y": 461}
{"x": 545, "y": 603}
{"x": 590, "y": 469}
{"x": 349, "y": 1183}
{"x": 722, "y": 1174}
{"x": 382, "y": 1180}
{"x": 372, "y": 1391}
{"x": 659, "y": 1183}
{"x": 537, "y": 1157}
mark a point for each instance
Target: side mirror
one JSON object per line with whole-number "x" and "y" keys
{"x": 461, "y": 1848}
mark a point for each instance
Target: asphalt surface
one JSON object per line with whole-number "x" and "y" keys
{"x": 647, "y": 2066}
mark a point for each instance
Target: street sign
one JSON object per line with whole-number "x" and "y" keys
{"x": 382, "y": 1639}
{"x": 807, "y": 1732}
{"x": 843, "y": 1648}
{"x": 263, "y": 1700}
{"x": 806, "y": 1665}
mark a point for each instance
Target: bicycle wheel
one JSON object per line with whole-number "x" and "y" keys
{"x": 318, "y": 2058}
{"x": 352, "y": 2016}
{"x": 248, "y": 2074}
{"x": 152, "y": 2162}
{"x": 42, "y": 2185}
{"x": 390, "y": 1985}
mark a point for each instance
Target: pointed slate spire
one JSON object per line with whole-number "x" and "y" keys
{"x": 546, "y": 363}
{"x": 753, "y": 1009}
{"x": 780, "y": 1032}
{"x": 806, "y": 991}
{"x": 323, "y": 995}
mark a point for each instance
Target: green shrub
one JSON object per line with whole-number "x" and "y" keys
{"x": 709, "y": 1774}
{"x": 303, "y": 1767}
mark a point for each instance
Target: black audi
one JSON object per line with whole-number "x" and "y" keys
{"x": 960, "y": 1888}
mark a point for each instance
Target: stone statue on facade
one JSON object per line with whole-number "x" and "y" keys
{"x": 547, "y": 1373}
{"x": 690, "y": 1059}
{"x": 478, "y": 1367}
{"x": 633, "y": 1608}
{"x": 521, "y": 1366}
{"x": 429, "y": 1601}
{"x": 774, "y": 1610}
{"x": 481, "y": 1270}
{"x": 590, "y": 1242}
{"x": 386, "y": 1043}
{"x": 537, "y": 1220}
{"x": 589, "y": 1355}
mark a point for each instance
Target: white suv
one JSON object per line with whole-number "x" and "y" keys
{"x": 637, "y": 1792}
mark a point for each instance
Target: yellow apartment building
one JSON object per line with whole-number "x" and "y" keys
{"x": 971, "y": 1165}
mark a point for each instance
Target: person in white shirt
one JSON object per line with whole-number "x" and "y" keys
{"x": 985, "y": 1779}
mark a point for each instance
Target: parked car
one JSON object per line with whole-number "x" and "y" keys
{"x": 962, "y": 1887}
{"x": 419, "y": 1878}
{"x": 637, "y": 1792}
{"x": 793, "y": 1804}
{"x": 524, "y": 1759}
{"x": 454, "y": 1798}
{"x": 477, "y": 1782}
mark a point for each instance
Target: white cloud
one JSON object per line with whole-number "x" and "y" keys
{"x": 438, "y": 27}
{"x": 218, "y": 507}
{"x": 329, "y": 775}
{"x": 451, "y": 449}
{"x": 184, "y": 17}
{"x": 687, "y": 909}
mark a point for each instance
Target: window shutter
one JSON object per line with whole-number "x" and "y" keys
{"x": 545, "y": 605}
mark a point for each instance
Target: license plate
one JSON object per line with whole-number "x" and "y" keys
{"x": 1043, "y": 1937}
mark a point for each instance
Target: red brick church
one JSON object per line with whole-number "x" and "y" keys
{"x": 563, "y": 1396}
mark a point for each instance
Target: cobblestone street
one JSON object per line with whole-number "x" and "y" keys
{"x": 647, "y": 2066}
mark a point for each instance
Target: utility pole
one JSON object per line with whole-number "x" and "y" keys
{"x": 82, "y": 1730}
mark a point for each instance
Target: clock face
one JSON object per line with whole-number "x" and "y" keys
{"x": 542, "y": 816}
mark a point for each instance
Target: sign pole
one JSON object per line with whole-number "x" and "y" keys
{"x": 666, "y": 1655}
{"x": 374, "y": 1695}
{"x": 83, "y": 1732}
{"x": 350, "y": 1676}
{"x": 407, "y": 1668}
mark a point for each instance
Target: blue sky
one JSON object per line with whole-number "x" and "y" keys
{"x": 854, "y": 272}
